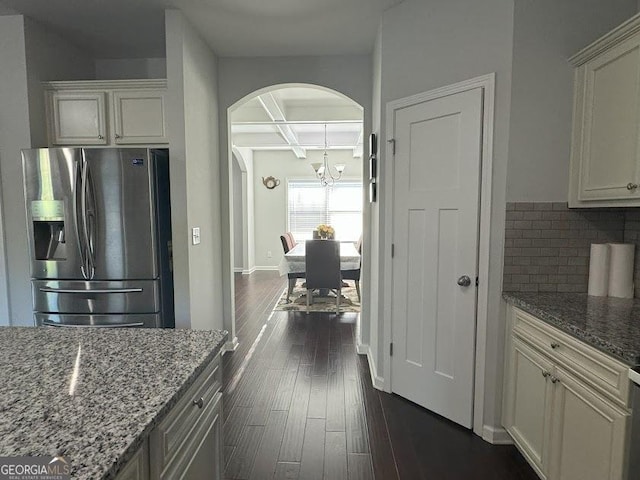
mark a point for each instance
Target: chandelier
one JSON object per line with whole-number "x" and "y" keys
{"x": 323, "y": 170}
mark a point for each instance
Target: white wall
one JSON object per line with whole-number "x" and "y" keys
{"x": 238, "y": 208}
{"x": 546, "y": 34}
{"x": 271, "y": 205}
{"x": 50, "y": 57}
{"x": 193, "y": 136}
{"x": 15, "y": 304}
{"x": 425, "y": 45}
{"x": 127, "y": 68}
{"x": 369, "y": 330}
{"x": 29, "y": 54}
{"x": 247, "y": 244}
{"x": 239, "y": 77}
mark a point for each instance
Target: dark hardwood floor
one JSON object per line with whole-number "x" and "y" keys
{"x": 299, "y": 404}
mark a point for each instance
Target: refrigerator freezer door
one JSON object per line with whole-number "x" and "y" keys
{"x": 111, "y": 297}
{"x": 51, "y": 177}
{"x": 119, "y": 214}
{"x": 96, "y": 321}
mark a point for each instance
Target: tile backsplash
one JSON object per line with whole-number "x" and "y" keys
{"x": 547, "y": 245}
{"x": 632, "y": 235}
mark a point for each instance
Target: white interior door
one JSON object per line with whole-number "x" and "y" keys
{"x": 435, "y": 234}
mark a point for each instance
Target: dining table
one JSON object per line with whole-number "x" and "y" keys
{"x": 294, "y": 260}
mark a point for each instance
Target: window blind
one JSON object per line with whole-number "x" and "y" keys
{"x": 310, "y": 204}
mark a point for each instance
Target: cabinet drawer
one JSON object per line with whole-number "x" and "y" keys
{"x": 168, "y": 438}
{"x": 599, "y": 370}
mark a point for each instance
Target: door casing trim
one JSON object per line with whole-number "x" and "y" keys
{"x": 487, "y": 83}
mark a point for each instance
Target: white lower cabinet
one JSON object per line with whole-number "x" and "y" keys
{"x": 587, "y": 433}
{"x": 187, "y": 444}
{"x": 564, "y": 426}
{"x": 138, "y": 467}
{"x": 528, "y": 404}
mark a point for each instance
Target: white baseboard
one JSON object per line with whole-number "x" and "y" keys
{"x": 249, "y": 272}
{"x": 496, "y": 436}
{"x": 376, "y": 380}
{"x": 230, "y": 345}
{"x": 238, "y": 270}
{"x": 267, "y": 268}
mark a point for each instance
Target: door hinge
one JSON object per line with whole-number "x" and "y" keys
{"x": 393, "y": 145}
{"x": 391, "y": 349}
{"x": 477, "y": 281}
{"x": 393, "y": 250}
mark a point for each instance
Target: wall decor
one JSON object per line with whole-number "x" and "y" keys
{"x": 373, "y": 167}
{"x": 373, "y": 144}
{"x": 270, "y": 182}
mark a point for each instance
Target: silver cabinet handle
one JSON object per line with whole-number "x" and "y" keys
{"x": 118, "y": 135}
{"x": 101, "y": 137}
{"x": 545, "y": 374}
{"x": 464, "y": 281}
{"x": 555, "y": 345}
{"x": 98, "y": 290}
{"x": 199, "y": 402}
{"x": 554, "y": 379}
{"x": 632, "y": 186}
{"x": 113, "y": 325}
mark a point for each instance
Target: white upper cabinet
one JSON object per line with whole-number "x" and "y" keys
{"x": 605, "y": 151}
{"x": 119, "y": 112}
{"x": 77, "y": 118}
{"x": 139, "y": 116}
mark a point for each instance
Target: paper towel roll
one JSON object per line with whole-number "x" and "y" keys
{"x": 621, "y": 270}
{"x": 599, "y": 270}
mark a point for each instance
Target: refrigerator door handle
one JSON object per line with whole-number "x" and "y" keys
{"x": 91, "y": 219}
{"x": 118, "y": 325}
{"x": 98, "y": 290}
{"x": 88, "y": 263}
{"x": 77, "y": 214}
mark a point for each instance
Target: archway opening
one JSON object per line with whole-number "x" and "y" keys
{"x": 283, "y": 135}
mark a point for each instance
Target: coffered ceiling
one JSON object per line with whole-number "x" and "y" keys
{"x": 130, "y": 29}
{"x": 294, "y": 119}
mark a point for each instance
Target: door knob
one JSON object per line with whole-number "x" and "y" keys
{"x": 464, "y": 281}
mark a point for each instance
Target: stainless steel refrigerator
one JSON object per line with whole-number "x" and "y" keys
{"x": 99, "y": 227}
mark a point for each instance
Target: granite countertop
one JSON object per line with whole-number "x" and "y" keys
{"x": 611, "y": 325}
{"x": 93, "y": 395}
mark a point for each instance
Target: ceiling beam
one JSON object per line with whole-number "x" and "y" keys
{"x": 302, "y": 122}
{"x": 357, "y": 149}
{"x": 276, "y": 114}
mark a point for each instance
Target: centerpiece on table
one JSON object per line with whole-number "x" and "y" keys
{"x": 326, "y": 232}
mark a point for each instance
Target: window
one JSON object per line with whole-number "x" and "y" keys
{"x": 311, "y": 204}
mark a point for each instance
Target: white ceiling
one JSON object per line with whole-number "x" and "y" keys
{"x": 275, "y": 121}
{"x": 135, "y": 29}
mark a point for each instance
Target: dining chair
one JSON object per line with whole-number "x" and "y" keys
{"x": 322, "y": 262}
{"x": 355, "y": 274}
{"x": 287, "y": 245}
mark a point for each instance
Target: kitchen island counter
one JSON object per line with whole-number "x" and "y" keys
{"x": 94, "y": 395}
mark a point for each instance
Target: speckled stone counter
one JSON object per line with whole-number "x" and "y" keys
{"x": 611, "y": 325}
{"x": 93, "y": 395}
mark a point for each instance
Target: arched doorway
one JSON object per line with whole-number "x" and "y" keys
{"x": 286, "y": 111}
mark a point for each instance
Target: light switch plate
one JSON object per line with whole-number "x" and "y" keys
{"x": 195, "y": 235}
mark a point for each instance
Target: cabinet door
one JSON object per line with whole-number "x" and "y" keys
{"x": 139, "y": 117}
{"x": 138, "y": 467}
{"x": 528, "y": 401}
{"x": 77, "y": 118}
{"x": 207, "y": 461}
{"x": 588, "y": 433}
{"x": 609, "y": 159}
